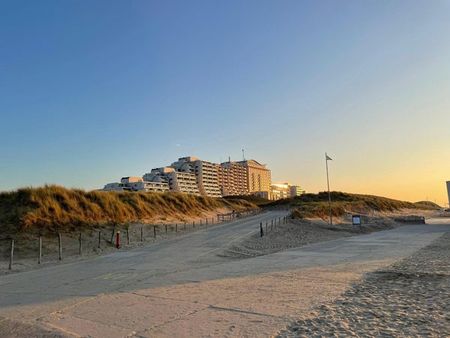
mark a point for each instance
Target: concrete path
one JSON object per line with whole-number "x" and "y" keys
{"x": 182, "y": 288}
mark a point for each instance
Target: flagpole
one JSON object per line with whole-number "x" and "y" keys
{"x": 329, "y": 193}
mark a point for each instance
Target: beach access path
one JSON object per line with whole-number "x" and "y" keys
{"x": 183, "y": 286}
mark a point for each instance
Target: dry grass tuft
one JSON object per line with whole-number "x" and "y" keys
{"x": 54, "y": 207}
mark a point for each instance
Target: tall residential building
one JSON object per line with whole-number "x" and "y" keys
{"x": 206, "y": 174}
{"x": 233, "y": 179}
{"x": 448, "y": 193}
{"x": 258, "y": 177}
{"x": 177, "y": 180}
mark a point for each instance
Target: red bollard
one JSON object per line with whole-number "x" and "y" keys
{"x": 118, "y": 239}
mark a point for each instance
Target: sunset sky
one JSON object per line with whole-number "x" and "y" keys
{"x": 91, "y": 91}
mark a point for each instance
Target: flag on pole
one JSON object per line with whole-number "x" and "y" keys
{"x": 328, "y": 158}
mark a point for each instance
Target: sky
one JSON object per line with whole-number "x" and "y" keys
{"x": 91, "y": 91}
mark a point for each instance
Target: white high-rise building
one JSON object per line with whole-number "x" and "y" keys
{"x": 178, "y": 181}
{"x": 206, "y": 174}
{"x": 448, "y": 193}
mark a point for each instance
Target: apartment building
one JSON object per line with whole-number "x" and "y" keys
{"x": 177, "y": 181}
{"x": 136, "y": 184}
{"x": 258, "y": 177}
{"x": 233, "y": 179}
{"x": 280, "y": 191}
{"x": 206, "y": 174}
{"x": 194, "y": 176}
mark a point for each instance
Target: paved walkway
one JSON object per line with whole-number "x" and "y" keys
{"x": 182, "y": 288}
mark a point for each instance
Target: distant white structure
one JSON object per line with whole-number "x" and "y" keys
{"x": 296, "y": 190}
{"x": 133, "y": 183}
{"x": 448, "y": 193}
{"x": 284, "y": 190}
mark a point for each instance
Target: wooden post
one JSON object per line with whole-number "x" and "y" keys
{"x": 59, "y": 247}
{"x": 11, "y": 256}
{"x": 176, "y": 227}
{"x": 99, "y": 239}
{"x": 40, "y": 250}
{"x": 266, "y": 227}
{"x": 271, "y": 224}
{"x": 261, "y": 231}
{"x": 128, "y": 236}
{"x": 154, "y": 231}
{"x": 80, "y": 246}
{"x": 142, "y": 234}
{"x": 166, "y": 228}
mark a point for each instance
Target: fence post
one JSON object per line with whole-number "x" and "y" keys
{"x": 59, "y": 246}
{"x": 166, "y": 228}
{"x": 271, "y": 224}
{"x": 80, "y": 247}
{"x": 99, "y": 239}
{"x": 11, "y": 256}
{"x": 193, "y": 224}
{"x": 184, "y": 226}
{"x": 118, "y": 239}
{"x": 154, "y": 231}
{"x": 128, "y": 236}
{"x": 176, "y": 227}
{"x": 261, "y": 231}
{"x": 142, "y": 233}
{"x": 266, "y": 227}
{"x": 40, "y": 250}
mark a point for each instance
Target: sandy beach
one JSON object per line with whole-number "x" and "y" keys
{"x": 410, "y": 298}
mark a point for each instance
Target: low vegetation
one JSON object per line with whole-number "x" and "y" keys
{"x": 55, "y": 207}
{"x": 316, "y": 205}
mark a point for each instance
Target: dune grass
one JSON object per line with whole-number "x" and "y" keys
{"x": 55, "y": 207}
{"x": 316, "y": 205}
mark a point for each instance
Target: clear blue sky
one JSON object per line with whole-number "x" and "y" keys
{"x": 94, "y": 90}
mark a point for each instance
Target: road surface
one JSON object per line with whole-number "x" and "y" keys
{"x": 182, "y": 287}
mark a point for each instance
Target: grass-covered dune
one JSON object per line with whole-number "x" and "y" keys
{"x": 54, "y": 207}
{"x": 316, "y": 205}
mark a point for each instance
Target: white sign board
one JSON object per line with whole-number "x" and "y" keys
{"x": 356, "y": 219}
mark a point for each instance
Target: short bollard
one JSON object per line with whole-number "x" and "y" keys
{"x": 154, "y": 231}
{"x": 118, "y": 240}
{"x": 176, "y": 227}
{"x": 166, "y": 228}
{"x": 261, "y": 231}
{"x": 142, "y": 234}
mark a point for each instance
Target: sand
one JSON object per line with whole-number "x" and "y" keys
{"x": 296, "y": 233}
{"x": 409, "y": 298}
